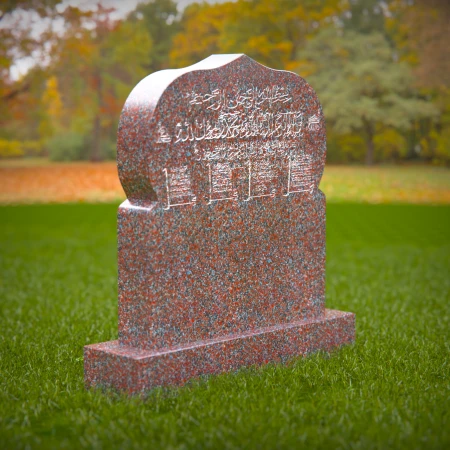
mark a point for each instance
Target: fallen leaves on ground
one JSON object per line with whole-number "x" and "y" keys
{"x": 76, "y": 182}
{"x": 99, "y": 182}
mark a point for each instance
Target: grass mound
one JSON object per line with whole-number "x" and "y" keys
{"x": 388, "y": 264}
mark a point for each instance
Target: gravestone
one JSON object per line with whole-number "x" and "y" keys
{"x": 221, "y": 241}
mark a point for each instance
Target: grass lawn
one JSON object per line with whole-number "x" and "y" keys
{"x": 390, "y": 264}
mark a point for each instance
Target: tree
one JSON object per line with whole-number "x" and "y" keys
{"x": 159, "y": 18}
{"x": 365, "y": 16}
{"x": 278, "y": 29}
{"x": 20, "y": 108}
{"x": 80, "y": 83}
{"x": 52, "y": 108}
{"x": 421, "y": 32}
{"x": 41, "y": 7}
{"x": 361, "y": 86}
{"x": 96, "y": 63}
{"x": 272, "y": 32}
{"x": 201, "y": 27}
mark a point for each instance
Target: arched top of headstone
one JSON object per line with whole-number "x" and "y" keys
{"x": 226, "y": 128}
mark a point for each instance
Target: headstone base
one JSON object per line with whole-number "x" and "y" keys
{"x": 134, "y": 370}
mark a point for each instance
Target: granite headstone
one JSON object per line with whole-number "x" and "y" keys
{"x": 221, "y": 241}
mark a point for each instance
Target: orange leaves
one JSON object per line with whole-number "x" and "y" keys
{"x": 72, "y": 182}
{"x": 88, "y": 182}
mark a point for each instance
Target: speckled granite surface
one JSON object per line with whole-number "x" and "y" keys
{"x": 221, "y": 243}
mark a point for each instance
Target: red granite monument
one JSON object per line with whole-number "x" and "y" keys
{"x": 221, "y": 241}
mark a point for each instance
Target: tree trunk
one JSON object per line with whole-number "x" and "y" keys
{"x": 370, "y": 146}
{"x": 96, "y": 150}
{"x": 369, "y": 151}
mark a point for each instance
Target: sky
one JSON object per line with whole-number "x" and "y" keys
{"x": 122, "y": 6}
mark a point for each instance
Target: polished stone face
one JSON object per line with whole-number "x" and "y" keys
{"x": 222, "y": 237}
{"x": 202, "y": 135}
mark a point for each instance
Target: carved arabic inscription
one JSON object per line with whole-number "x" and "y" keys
{"x": 242, "y": 170}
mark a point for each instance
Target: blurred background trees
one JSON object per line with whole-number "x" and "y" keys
{"x": 380, "y": 67}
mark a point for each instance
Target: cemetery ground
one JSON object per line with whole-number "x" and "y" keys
{"x": 38, "y": 180}
{"x": 388, "y": 263}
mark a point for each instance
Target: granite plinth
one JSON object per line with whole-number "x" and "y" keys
{"x": 135, "y": 370}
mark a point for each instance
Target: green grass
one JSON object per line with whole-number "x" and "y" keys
{"x": 388, "y": 264}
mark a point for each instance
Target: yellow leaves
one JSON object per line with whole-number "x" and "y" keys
{"x": 263, "y": 47}
{"x": 52, "y": 98}
{"x": 390, "y": 144}
{"x": 410, "y": 58}
{"x": 9, "y": 149}
{"x": 303, "y": 67}
{"x": 53, "y": 108}
{"x": 203, "y": 27}
{"x": 16, "y": 148}
{"x": 260, "y": 44}
{"x": 352, "y": 146}
{"x": 52, "y": 84}
{"x": 343, "y": 53}
{"x": 269, "y": 31}
{"x": 298, "y": 13}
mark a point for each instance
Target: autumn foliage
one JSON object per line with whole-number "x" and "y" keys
{"x": 380, "y": 68}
